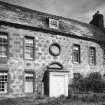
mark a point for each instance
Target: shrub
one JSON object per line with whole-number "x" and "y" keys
{"x": 76, "y": 85}
{"x": 95, "y": 83}
{"x": 92, "y": 82}
{"x": 89, "y": 98}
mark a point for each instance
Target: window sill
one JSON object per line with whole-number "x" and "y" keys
{"x": 92, "y": 65}
{"x": 29, "y": 59}
{"x": 3, "y": 93}
{"x": 76, "y": 63}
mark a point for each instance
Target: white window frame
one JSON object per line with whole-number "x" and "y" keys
{"x": 92, "y": 55}
{"x": 3, "y": 82}
{"x": 3, "y": 45}
{"x": 76, "y": 51}
{"x": 53, "y": 23}
{"x": 28, "y": 46}
{"x": 29, "y": 79}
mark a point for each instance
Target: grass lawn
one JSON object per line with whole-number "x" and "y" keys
{"x": 68, "y": 102}
{"x": 75, "y": 100}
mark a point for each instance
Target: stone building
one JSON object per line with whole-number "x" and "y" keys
{"x": 40, "y": 53}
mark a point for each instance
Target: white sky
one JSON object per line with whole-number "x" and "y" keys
{"x": 81, "y": 10}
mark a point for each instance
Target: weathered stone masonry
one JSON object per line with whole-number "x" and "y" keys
{"x": 65, "y": 36}
{"x": 17, "y": 64}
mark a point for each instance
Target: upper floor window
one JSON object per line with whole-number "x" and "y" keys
{"x": 92, "y": 55}
{"x": 28, "y": 47}
{"x": 3, "y": 45}
{"x": 76, "y": 53}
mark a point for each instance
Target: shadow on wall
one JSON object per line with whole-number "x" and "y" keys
{"x": 46, "y": 83}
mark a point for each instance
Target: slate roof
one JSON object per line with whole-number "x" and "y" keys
{"x": 24, "y": 16}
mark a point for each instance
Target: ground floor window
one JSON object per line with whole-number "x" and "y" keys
{"x": 29, "y": 82}
{"x": 3, "y": 82}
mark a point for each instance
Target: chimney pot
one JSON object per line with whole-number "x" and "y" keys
{"x": 98, "y": 20}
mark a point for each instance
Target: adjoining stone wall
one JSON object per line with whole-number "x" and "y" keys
{"x": 17, "y": 64}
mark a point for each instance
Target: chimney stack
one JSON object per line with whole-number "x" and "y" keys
{"x": 98, "y": 20}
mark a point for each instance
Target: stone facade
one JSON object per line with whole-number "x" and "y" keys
{"x": 17, "y": 65}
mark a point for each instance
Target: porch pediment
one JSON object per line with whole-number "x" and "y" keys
{"x": 55, "y": 65}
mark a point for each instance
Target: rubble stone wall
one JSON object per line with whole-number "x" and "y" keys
{"x": 16, "y": 64}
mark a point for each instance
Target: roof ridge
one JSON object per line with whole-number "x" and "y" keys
{"x": 39, "y": 19}
{"x": 43, "y": 13}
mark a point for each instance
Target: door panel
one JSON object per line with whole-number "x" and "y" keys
{"x": 57, "y": 85}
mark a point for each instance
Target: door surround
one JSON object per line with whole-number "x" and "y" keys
{"x": 55, "y": 70}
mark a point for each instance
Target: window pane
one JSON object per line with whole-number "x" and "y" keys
{"x": 28, "y": 42}
{"x": 3, "y": 39}
{"x": 28, "y": 52}
{"x": 3, "y": 82}
{"x": 3, "y": 51}
{"x": 3, "y": 45}
{"x": 29, "y": 78}
{"x": 28, "y": 56}
{"x": 28, "y": 49}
